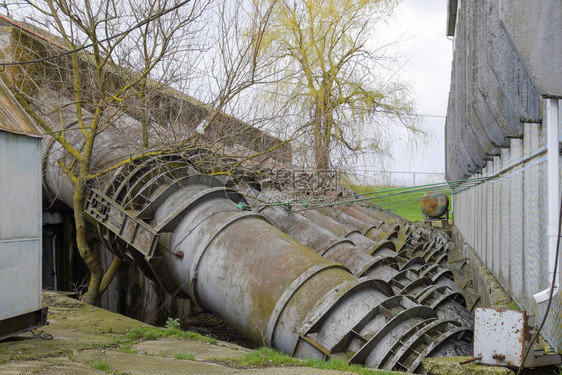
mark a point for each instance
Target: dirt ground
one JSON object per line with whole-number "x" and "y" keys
{"x": 83, "y": 339}
{"x": 83, "y": 342}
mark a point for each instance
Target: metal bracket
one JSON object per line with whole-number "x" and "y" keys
{"x": 105, "y": 211}
{"x": 18, "y": 324}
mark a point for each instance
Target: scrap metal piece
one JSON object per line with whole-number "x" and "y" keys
{"x": 501, "y": 338}
{"x": 138, "y": 234}
{"x": 22, "y": 323}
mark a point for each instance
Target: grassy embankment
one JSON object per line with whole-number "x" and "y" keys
{"x": 403, "y": 201}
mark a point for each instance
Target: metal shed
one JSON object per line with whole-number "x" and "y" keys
{"x": 20, "y": 219}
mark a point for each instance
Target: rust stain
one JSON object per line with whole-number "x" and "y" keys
{"x": 434, "y": 204}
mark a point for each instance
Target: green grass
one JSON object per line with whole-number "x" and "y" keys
{"x": 404, "y": 202}
{"x": 512, "y": 306}
{"x": 125, "y": 341}
{"x": 185, "y": 356}
{"x": 100, "y": 364}
{"x": 153, "y": 333}
{"x": 262, "y": 357}
{"x": 267, "y": 357}
{"x": 341, "y": 365}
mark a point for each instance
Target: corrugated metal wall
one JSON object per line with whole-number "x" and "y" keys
{"x": 20, "y": 224}
{"x": 504, "y": 221}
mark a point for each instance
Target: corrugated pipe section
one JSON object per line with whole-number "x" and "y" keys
{"x": 271, "y": 287}
{"x": 186, "y": 230}
{"x": 415, "y": 273}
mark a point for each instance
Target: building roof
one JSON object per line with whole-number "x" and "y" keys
{"x": 452, "y": 6}
{"x": 13, "y": 118}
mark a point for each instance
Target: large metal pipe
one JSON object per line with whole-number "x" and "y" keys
{"x": 187, "y": 231}
{"x": 427, "y": 285}
{"x": 407, "y": 257}
{"x": 412, "y": 252}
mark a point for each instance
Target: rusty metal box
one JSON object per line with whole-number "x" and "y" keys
{"x": 499, "y": 336}
{"x": 502, "y": 336}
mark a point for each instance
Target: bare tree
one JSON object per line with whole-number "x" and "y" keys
{"x": 92, "y": 35}
{"x": 103, "y": 63}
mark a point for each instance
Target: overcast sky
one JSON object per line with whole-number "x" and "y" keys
{"x": 425, "y": 54}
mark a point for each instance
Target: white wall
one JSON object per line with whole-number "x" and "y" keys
{"x": 504, "y": 220}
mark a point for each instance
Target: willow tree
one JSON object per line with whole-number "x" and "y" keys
{"x": 333, "y": 75}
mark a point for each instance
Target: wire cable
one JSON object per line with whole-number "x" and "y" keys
{"x": 408, "y": 194}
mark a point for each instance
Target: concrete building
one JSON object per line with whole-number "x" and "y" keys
{"x": 20, "y": 219}
{"x": 503, "y": 127}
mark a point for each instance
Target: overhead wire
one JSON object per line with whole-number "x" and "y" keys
{"x": 404, "y": 194}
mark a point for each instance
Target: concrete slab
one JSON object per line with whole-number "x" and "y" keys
{"x": 452, "y": 366}
{"x": 150, "y": 364}
{"x": 201, "y": 351}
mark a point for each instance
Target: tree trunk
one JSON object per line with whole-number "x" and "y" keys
{"x": 96, "y": 271}
{"x": 322, "y": 130}
{"x": 109, "y": 275}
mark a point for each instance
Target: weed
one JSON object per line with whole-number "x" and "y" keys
{"x": 103, "y": 345}
{"x": 145, "y": 333}
{"x": 512, "y": 306}
{"x": 152, "y": 333}
{"x": 173, "y": 324}
{"x": 262, "y": 357}
{"x": 100, "y": 364}
{"x": 129, "y": 350}
{"x": 342, "y": 365}
{"x": 267, "y": 357}
{"x": 123, "y": 343}
{"x": 185, "y": 356}
{"x": 189, "y": 335}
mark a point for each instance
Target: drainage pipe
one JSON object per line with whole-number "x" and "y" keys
{"x": 277, "y": 291}
{"x": 553, "y": 173}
